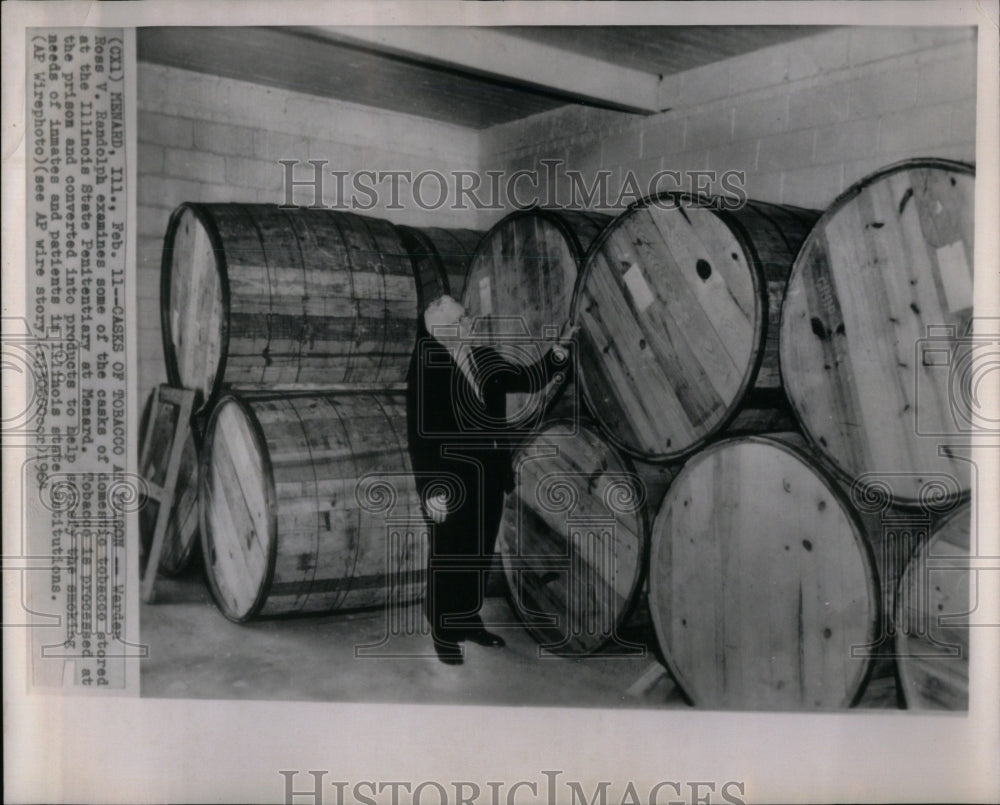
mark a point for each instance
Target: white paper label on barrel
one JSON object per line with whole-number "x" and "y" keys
{"x": 636, "y": 283}
{"x": 485, "y": 296}
{"x": 955, "y": 275}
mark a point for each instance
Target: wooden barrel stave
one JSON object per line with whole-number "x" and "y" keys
{"x": 752, "y": 607}
{"x": 890, "y": 258}
{"x": 777, "y": 234}
{"x": 249, "y": 298}
{"x": 279, "y": 248}
{"x": 441, "y": 259}
{"x": 290, "y": 296}
{"x": 763, "y": 411}
{"x": 677, "y": 318}
{"x": 318, "y": 548}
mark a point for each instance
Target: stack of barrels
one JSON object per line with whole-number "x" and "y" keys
{"x": 295, "y": 328}
{"x": 746, "y": 444}
{"x": 791, "y": 374}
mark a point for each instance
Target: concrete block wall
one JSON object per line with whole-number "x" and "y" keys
{"x": 804, "y": 119}
{"x": 205, "y": 138}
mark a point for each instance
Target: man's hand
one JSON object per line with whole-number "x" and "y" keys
{"x": 569, "y": 331}
{"x": 436, "y": 505}
{"x": 564, "y": 345}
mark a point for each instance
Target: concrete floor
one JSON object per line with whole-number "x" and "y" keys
{"x": 195, "y": 653}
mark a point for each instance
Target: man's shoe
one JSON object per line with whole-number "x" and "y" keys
{"x": 448, "y": 651}
{"x": 483, "y": 638}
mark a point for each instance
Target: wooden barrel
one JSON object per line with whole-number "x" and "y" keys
{"x": 181, "y": 536}
{"x": 896, "y": 533}
{"x": 573, "y": 538}
{"x": 441, "y": 259}
{"x": 256, "y": 295}
{"x": 875, "y": 352}
{"x": 678, "y": 308}
{"x": 932, "y": 606}
{"x": 519, "y": 288}
{"x": 761, "y": 580}
{"x": 308, "y": 504}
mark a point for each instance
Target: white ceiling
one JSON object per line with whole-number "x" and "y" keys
{"x": 473, "y": 77}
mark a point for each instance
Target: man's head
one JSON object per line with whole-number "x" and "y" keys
{"x": 443, "y": 312}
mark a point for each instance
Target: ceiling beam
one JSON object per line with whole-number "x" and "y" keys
{"x": 503, "y": 57}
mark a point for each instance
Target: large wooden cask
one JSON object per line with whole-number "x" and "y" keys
{"x": 257, "y": 295}
{"x": 181, "y": 537}
{"x": 895, "y": 533}
{"x": 441, "y": 259}
{"x": 573, "y": 538}
{"x": 308, "y": 504}
{"x": 519, "y": 290}
{"x": 678, "y": 309}
{"x": 932, "y": 616}
{"x": 875, "y": 350}
{"x": 761, "y": 581}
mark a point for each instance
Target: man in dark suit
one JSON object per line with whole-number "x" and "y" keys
{"x": 457, "y": 391}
